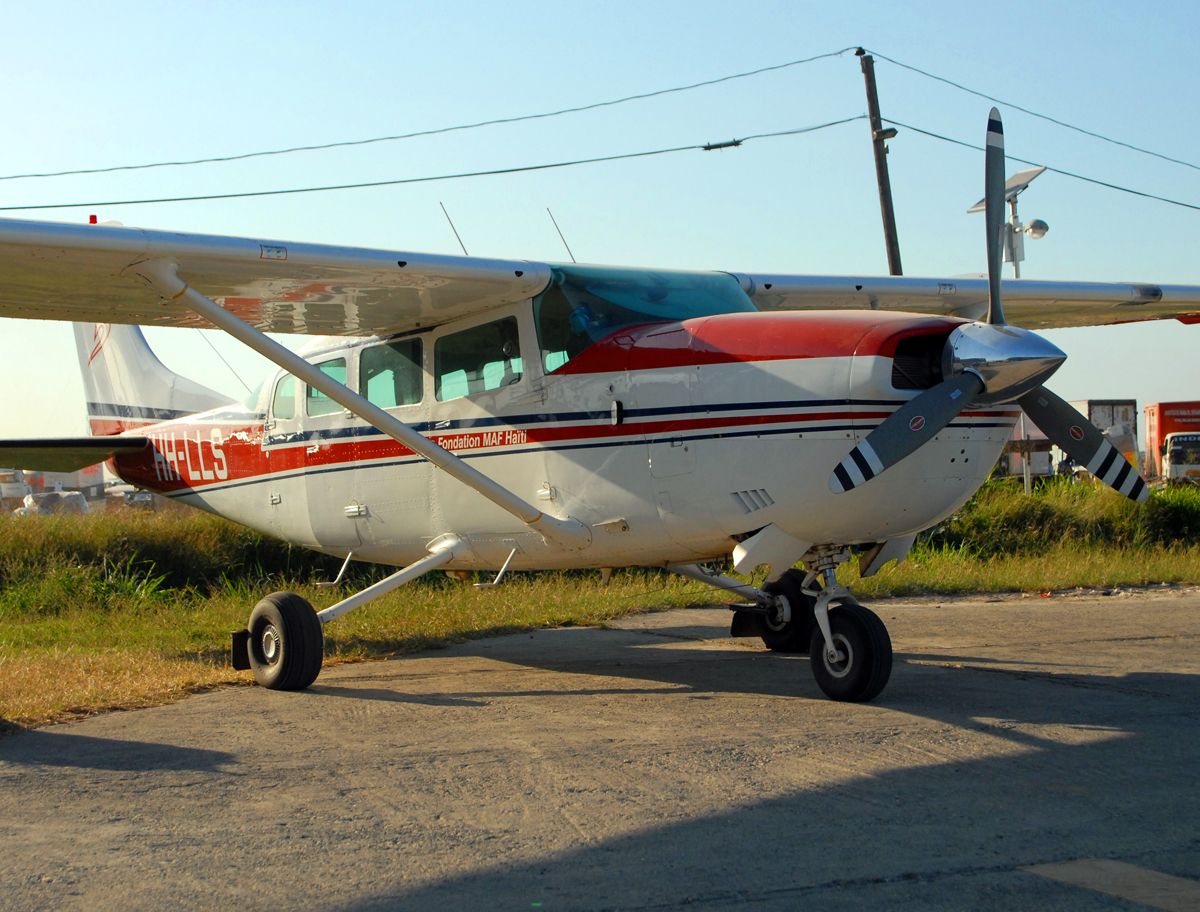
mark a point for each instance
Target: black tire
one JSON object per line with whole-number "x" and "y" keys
{"x": 795, "y": 635}
{"x": 861, "y": 636}
{"x": 286, "y": 642}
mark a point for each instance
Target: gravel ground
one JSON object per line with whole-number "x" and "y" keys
{"x": 655, "y": 765}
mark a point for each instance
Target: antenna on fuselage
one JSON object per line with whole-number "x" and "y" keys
{"x": 452, "y": 228}
{"x": 204, "y": 336}
{"x": 560, "y": 234}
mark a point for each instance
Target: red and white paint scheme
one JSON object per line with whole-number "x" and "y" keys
{"x": 475, "y": 414}
{"x": 676, "y": 440}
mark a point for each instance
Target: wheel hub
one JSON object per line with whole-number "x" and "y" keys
{"x": 779, "y": 613}
{"x": 842, "y": 661}
{"x": 270, "y": 644}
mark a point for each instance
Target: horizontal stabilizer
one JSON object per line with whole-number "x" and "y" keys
{"x": 65, "y": 454}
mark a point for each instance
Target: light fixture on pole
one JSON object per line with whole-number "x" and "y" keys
{"x": 1014, "y": 242}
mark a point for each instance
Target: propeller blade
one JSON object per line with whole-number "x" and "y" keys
{"x": 993, "y": 197}
{"x": 1083, "y": 442}
{"x": 905, "y": 430}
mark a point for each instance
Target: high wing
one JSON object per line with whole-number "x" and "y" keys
{"x": 66, "y": 454}
{"x": 1028, "y": 303}
{"x": 60, "y": 271}
{"x": 57, "y": 271}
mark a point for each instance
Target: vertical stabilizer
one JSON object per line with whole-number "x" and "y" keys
{"x": 127, "y": 386}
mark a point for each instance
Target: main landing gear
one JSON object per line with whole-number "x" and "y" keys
{"x": 788, "y": 623}
{"x": 283, "y": 643}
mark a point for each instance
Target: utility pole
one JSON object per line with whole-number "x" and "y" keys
{"x": 879, "y": 138}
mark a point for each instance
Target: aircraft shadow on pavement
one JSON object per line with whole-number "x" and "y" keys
{"x": 926, "y": 832}
{"x": 654, "y": 658}
{"x": 468, "y": 698}
{"x": 61, "y": 747}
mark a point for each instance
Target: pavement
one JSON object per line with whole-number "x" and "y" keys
{"x": 1028, "y": 753}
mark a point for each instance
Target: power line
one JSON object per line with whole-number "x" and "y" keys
{"x": 1062, "y": 171}
{"x": 435, "y": 131}
{"x": 440, "y": 177}
{"x": 1031, "y": 113}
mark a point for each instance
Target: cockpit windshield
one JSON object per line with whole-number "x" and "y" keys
{"x": 585, "y": 304}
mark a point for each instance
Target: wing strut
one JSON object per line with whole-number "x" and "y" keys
{"x": 567, "y": 533}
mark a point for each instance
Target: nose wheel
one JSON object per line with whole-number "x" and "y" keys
{"x": 849, "y": 648}
{"x": 855, "y": 663}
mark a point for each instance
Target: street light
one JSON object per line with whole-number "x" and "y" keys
{"x": 1014, "y": 242}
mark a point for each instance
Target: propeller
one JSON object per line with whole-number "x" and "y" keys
{"x": 993, "y": 215}
{"x": 1083, "y": 442}
{"x": 987, "y": 363}
{"x": 905, "y": 431}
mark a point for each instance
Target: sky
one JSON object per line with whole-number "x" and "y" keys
{"x": 99, "y": 85}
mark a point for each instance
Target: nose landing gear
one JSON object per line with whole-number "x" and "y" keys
{"x": 850, "y": 652}
{"x": 848, "y": 645}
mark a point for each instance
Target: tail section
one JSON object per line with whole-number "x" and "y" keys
{"x": 127, "y": 386}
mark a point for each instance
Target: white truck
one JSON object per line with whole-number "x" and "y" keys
{"x": 1173, "y": 442}
{"x": 1181, "y": 458}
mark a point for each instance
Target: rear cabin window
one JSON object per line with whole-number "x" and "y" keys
{"x": 585, "y": 304}
{"x": 478, "y": 359}
{"x": 390, "y": 375}
{"x": 316, "y": 402}
{"x": 283, "y": 406}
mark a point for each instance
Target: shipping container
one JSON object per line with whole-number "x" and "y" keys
{"x": 1118, "y": 421}
{"x": 1173, "y": 441}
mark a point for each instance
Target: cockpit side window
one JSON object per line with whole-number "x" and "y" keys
{"x": 316, "y": 402}
{"x": 562, "y": 328}
{"x": 390, "y": 374}
{"x": 484, "y": 357}
{"x": 283, "y": 404}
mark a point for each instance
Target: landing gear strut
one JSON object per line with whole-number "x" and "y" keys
{"x": 283, "y": 644}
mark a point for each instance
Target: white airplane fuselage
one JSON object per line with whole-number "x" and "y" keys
{"x": 671, "y": 441}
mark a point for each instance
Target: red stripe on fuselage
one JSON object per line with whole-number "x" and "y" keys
{"x": 733, "y": 338}
{"x": 186, "y": 456}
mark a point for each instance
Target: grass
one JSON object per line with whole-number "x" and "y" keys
{"x": 147, "y": 644}
{"x": 108, "y": 611}
{"x": 1062, "y": 566}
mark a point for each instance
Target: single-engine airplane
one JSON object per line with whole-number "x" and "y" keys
{"x": 476, "y": 414}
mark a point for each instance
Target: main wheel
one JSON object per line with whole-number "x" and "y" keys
{"x": 866, "y": 655}
{"x": 795, "y": 634}
{"x": 286, "y": 642}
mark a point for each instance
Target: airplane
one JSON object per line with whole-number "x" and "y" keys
{"x": 492, "y": 415}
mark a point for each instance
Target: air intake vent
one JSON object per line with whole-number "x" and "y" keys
{"x": 750, "y": 501}
{"x": 918, "y": 362}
